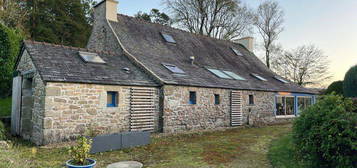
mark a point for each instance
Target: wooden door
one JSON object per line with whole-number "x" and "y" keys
{"x": 236, "y": 108}
{"x": 16, "y": 105}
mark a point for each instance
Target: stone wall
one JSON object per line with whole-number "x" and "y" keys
{"x": 32, "y": 110}
{"x": 262, "y": 111}
{"x": 179, "y": 115}
{"x": 73, "y": 109}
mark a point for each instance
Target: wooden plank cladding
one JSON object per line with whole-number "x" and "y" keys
{"x": 236, "y": 108}
{"x": 142, "y": 109}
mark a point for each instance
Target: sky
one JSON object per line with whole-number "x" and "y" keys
{"x": 329, "y": 24}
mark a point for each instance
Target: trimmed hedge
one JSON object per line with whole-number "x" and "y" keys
{"x": 350, "y": 83}
{"x": 336, "y": 87}
{"x": 325, "y": 135}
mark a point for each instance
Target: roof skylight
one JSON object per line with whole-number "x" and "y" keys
{"x": 234, "y": 75}
{"x": 174, "y": 68}
{"x": 259, "y": 77}
{"x": 280, "y": 79}
{"x": 219, "y": 73}
{"x": 168, "y": 38}
{"x": 91, "y": 57}
{"x": 236, "y": 51}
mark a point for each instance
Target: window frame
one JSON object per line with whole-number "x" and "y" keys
{"x": 192, "y": 98}
{"x": 259, "y": 77}
{"x": 236, "y": 51}
{"x": 179, "y": 70}
{"x": 284, "y": 98}
{"x": 90, "y": 57}
{"x": 278, "y": 78}
{"x": 217, "y": 99}
{"x": 251, "y": 99}
{"x": 218, "y": 73}
{"x": 233, "y": 75}
{"x": 168, "y": 38}
{"x": 115, "y": 99}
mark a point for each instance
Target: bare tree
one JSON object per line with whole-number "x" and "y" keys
{"x": 269, "y": 22}
{"x": 305, "y": 65}
{"x": 222, "y": 19}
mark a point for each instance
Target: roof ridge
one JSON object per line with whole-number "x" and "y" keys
{"x": 174, "y": 28}
{"x": 69, "y": 47}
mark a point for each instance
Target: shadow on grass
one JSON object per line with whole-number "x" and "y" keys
{"x": 282, "y": 154}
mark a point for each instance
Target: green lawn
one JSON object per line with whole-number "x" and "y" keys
{"x": 5, "y": 107}
{"x": 239, "y": 147}
{"x": 281, "y": 153}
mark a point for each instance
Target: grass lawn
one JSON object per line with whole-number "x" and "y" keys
{"x": 5, "y": 107}
{"x": 281, "y": 153}
{"x": 239, "y": 147}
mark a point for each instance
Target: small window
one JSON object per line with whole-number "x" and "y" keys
{"x": 234, "y": 75}
{"x": 219, "y": 73}
{"x": 259, "y": 77}
{"x": 216, "y": 99}
{"x": 237, "y": 52}
{"x": 192, "y": 98}
{"x": 251, "y": 99}
{"x": 173, "y": 68}
{"x": 280, "y": 79}
{"x": 112, "y": 99}
{"x": 91, "y": 57}
{"x": 168, "y": 38}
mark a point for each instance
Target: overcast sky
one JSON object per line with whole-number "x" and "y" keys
{"x": 329, "y": 24}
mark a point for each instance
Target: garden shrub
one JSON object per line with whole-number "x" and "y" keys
{"x": 2, "y": 131}
{"x": 350, "y": 83}
{"x": 10, "y": 42}
{"x": 325, "y": 135}
{"x": 336, "y": 87}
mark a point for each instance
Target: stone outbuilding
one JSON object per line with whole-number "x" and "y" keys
{"x": 140, "y": 76}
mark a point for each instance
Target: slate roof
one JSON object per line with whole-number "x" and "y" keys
{"x": 63, "y": 64}
{"x": 144, "y": 41}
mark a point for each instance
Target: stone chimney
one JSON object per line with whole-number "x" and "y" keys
{"x": 108, "y": 8}
{"x": 247, "y": 42}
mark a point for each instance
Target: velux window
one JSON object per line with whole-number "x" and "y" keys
{"x": 112, "y": 99}
{"x": 192, "y": 99}
{"x": 91, "y": 57}
{"x": 173, "y": 68}
{"x": 280, "y": 79}
{"x": 236, "y": 51}
{"x": 168, "y": 38}
{"x": 225, "y": 74}
{"x": 259, "y": 77}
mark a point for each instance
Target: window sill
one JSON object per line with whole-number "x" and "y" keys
{"x": 285, "y": 116}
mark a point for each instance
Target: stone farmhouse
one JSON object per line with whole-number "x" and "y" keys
{"x": 140, "y": 76}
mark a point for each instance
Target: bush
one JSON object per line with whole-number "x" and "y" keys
{"x": 10, "y": 41}
{"x": 325, "y": 135}
{"x": 336, "y": 87}
{"x": 2, "y": 131}
{"x": 350, "y": 83}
